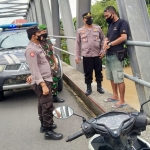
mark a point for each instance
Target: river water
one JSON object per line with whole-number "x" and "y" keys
{"x": 131, "y": 97}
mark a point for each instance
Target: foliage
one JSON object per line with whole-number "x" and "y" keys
{"x": 65, "y": 56}
{"x": 97, "y": 12}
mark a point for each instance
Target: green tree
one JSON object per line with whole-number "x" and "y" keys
{"x": 97, "y": 12}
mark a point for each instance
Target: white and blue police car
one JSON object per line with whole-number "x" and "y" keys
{"x": 13, "y": 67}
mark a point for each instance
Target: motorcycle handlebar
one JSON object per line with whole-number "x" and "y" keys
{"x": 74, "y": 136}
{"x": 148, "y": 121}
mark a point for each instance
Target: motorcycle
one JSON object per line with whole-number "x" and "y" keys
{"x": 112, "y": 130}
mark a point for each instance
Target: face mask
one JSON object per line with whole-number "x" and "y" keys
{"x": 109, "y": 20}
{"x": 89, "y": 21}
{"x": 44, "y": 35}
{"x": 39, "y": 38}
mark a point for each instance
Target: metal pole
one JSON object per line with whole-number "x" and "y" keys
{"x": 33, "y": 10}
{"x": 42, "y": 12}
{"x": 140, "y": 31}
{"x": 68, "y": 27}
{"x": 47, "y": 15}
{"x": 38, "y": 11}
{"x": 83, "y": 6}
{"x": 56, "y": 23}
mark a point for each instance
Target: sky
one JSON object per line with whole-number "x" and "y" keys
{"x": 72, "y": 6}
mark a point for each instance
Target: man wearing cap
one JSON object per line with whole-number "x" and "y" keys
{"x": 47, "y": 46}
{"x": 89, "y": 44}
{"x": 41, "y": 80}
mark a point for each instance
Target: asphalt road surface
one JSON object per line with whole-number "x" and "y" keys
{"x": 19, "y": 124}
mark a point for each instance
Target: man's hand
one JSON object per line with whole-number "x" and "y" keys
{"x": 56, "y": 67}
{"x": 44, "y": 88}
{"x": 29, "y": 79}
{"x": 77, "y": 61}
{"x": 102, "y": 54}
{"x": 105, "y": 46}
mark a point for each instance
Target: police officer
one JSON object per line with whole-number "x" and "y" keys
{"x": 47, "y": 46}
{"x": 41, "y": 80}
{"x": 89, "y": 40}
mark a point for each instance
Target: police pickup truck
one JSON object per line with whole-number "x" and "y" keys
{"x": 14, "y": 69}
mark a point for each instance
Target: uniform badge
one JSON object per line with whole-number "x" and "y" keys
{"x": 32, "y": 54}
{"x": 42, "y": 54}
{"x": 95, "y": 29}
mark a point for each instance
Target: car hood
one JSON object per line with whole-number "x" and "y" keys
{"x": 12, "y": 57}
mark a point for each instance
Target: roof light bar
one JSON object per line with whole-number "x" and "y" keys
{"x": 9, "y": 26}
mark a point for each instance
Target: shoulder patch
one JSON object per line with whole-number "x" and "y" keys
{"x": 32, "y": 54}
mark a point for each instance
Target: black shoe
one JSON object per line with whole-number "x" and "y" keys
{"x": 51, "y": 135}
{"x": 43, "y": 129}
{"x": 100, "y": 89}
{"x": 57, "y": 100}
{"x": 89, "y": 89}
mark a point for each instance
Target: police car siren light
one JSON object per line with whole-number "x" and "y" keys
{"x": 9, "y": 26}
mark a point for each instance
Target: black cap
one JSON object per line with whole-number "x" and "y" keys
{"x": 32, "y": 30}
{"x": 87, "y": 15}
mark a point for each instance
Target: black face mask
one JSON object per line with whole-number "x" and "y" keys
{"x": 109, "y": 20}
{"x": 89, "y": 21}
{"x": 39, "y": 38}
{"x": 44, "y": 35}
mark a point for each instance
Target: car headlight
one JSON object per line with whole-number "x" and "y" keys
{"x": 2, "y": 67}
{"x": 24, "y": 66}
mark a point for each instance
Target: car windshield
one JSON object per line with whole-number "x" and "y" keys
{"x": 11, "y": 39}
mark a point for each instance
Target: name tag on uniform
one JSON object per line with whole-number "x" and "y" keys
{"x": 42, "y": 55}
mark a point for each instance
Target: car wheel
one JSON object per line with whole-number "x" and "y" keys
{"x": 60, "y": 85}
{"x": 1, "y": 95}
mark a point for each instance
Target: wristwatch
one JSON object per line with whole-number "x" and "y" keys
{"x": 109, "y": 44}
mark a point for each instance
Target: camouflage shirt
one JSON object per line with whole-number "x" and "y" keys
{"x": 47, "y": 46}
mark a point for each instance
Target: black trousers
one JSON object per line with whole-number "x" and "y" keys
{"x": 90, "y": 64}
{"x": 45, "y": 104}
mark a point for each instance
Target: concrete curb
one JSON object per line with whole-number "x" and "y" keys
{"x": 89, "y": 102}
{"x": 95, "y": 102}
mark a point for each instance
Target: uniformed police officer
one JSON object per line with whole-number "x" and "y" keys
{"x": 41, "y": 80}
{"x": 47, "y": 46}
{"x": 89, "y": 43}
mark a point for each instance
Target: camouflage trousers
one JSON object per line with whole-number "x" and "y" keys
{"x": 55, "y": 84}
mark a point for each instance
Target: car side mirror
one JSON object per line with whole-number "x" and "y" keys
{"x": 63, "y": 112}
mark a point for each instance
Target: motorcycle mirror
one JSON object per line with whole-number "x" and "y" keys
{"x": 63, "y": 112}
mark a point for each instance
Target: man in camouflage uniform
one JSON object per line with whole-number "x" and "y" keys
{"x": 47, "y": 46}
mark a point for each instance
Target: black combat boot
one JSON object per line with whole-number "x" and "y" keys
{"x": 43, "y": 129}
{"x": 56, "y": 99}
{"x": 51, "y": 135}
{"x": 99, "y": 88}
{"x": 89, "y": 89}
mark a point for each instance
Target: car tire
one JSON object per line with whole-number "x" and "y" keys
{"x": 1, "y": 95}
{"x": 60, "y": 85}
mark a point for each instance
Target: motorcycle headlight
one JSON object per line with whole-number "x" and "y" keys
{"x": 2, "y": 67}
